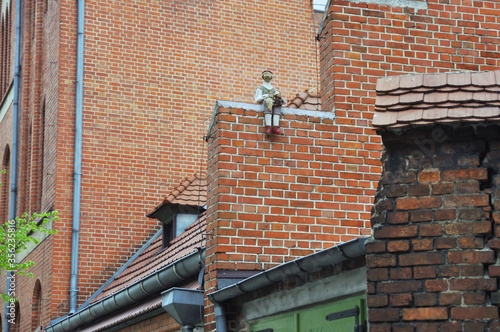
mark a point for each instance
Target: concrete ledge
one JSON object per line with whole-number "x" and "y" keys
{"x": 260, "y": 108}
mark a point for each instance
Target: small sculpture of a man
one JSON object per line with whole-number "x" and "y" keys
{"x": 272, "y": 101}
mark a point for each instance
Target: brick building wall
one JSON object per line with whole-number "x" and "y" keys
{"x": 152, "y": 73}
{"x": 270, "y": 198}
{"x": 362, "y": 41}
{"x": 433, "y": 263}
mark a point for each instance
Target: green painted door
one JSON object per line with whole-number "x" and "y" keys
{"x": 313, "y": 319}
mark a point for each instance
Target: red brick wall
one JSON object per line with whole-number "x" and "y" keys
{"x": 361, "y": 42}
{"x": 152, "y": 74}
{"x": 433, "y": 262}
{"x": 271, "y": 199}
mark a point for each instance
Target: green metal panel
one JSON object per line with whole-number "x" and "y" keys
{"x": 281, "y": 323}
{"x": 313, "y": 319}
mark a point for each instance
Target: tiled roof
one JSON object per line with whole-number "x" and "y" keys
{"x": 307, "y": 100}
{"x": 191, "y": 192}
{"x": 437, "y": 98}
{"x": 153, "y": 258}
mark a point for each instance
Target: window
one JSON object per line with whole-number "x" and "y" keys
{"x": 17, "y": 320}
{"x": 4, "y": 189}
{"x": 36, "y": 310}
{"x": 178, "y": 225}
{"x": 5, "y": 48}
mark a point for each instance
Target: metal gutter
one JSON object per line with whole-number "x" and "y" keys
{"x": 77, "y": 173}
{"x": 162, "y": 279}
{"x": 328, "y": 257}
{"x": 15, "y": 134}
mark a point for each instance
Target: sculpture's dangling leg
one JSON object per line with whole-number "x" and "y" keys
{"x": 276, "y": 125}
{"x": 268, "y": 121}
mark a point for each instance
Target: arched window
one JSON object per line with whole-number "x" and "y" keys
{"x": 17, "y": 320}
{"x": 4, "y": 189}
{"x": 5, "y": 48}
{"x": 36, "y": 310}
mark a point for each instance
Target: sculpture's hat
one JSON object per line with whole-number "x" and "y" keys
{"x": 266, "y": 71}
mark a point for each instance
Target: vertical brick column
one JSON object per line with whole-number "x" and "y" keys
{"x": 433, "y": 262}
{"x": 271, "y": 199}
{"x": 364, "y": 40}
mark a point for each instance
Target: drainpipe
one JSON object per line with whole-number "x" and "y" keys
{"x": 73, "y": 285}
{"x": 13, "y": 164}
{"x": 220, "y": 318}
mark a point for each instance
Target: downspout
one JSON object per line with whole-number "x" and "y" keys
{"x": 73, "y": 285}
{"x": 15, "y": 133}
{"x": 220, "y": 318}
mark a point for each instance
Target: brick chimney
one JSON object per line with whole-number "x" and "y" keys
{"x": 271, "y": 199}
{"x": 433, "y": 262}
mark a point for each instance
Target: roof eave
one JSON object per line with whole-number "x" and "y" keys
{"x": 328, "y": 257}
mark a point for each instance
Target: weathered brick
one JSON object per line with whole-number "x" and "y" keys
{"x": 383, "y": 315}
{"x": 377, "y": 274}
{"x": 386, "y": 232}
{"x": 476, "y": 284}
{"x": 443, "y": 188}
{"x": 440, "y": 215}
{"x": 471, "y": 257}
{"x": 425, "y": 299}
{"x": 413, "y": 203}
{"x": 474, "y": 298}
{"x": 421, "y": 216}
{"x": 431, "y": 230}
{"x": 424, "y": 272}
{"x": 401, "y": 300}
{"x": 405, "y": 286}
{"x": 437, "y": 285}
{"x": 397, "y": 217}
{"x": 466, "y": 200}
{"x": 465, "y": 174}
{"x": 432, "y": 313}
{"x": 380, "y": 260}
{"x": 429, "y": 176}
{"x": 450, "y": 298}
{"x": 404, "y": 273}
{"x": 483, "y": 312}
{"x": 377, "y": 301}
{"x": 424, "y": 258}
{"x": 446, "y": 243}
{"x": 398, "y": 246}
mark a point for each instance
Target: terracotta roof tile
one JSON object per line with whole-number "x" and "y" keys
{"x": 460, "y": 79}
{"x": 388, "y": 83}
{"x": 483, "y": 78}
{"x": 191, "y": 192}
{"x": 411, "y": 98}
{"x": 154, "y": 258}
{"x": 308, "y": 100}
{"x": 436, "y": 98}
{"x": 436, "y": 80}
{"x": 409, "y": 82}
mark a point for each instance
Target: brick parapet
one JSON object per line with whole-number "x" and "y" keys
{"x": 435, "y": 233}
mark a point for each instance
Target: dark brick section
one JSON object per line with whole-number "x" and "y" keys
{"x": 433, "y": 263}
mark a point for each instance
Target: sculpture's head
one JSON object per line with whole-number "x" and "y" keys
{"x": 267, "y": 75}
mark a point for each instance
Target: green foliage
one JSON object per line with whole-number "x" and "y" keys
{"x": 16, "y": 235}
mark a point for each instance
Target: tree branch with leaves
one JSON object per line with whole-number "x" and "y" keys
{"x": 16, "y": 235}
